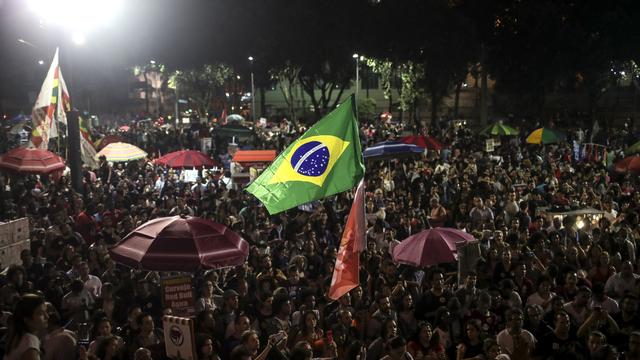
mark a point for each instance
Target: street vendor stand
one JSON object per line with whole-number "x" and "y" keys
{"x": 246, "y": 165}
{"x": 582, "y": 216}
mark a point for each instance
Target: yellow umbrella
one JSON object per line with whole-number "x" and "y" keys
{"x": 121, "y": 152}
{"x": 544, "y": 136}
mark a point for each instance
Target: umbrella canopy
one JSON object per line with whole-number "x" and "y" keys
{"x": 235, "y": 117}
{"x": 109, "y": 139}
{"x": 186, "y": 159}
{"x": 180, "y": 244}
{"x": 633, "y": 149}
{"x": 425, "y": 142}
{"x": 391, "y": 150}
{"x": 31, "y": 161}
{"x": 20, "y": 118}
{"x": 630, "y": 164}
{"x": 254, "y": 156}
{"x": 430, "y": 247}
{"x": 499, "y": 129}
{"x": 544, "y": 136}
{"x": 233, "y": 130}
{"x": 121, "y": 152}
{"x": 124, "y": 128}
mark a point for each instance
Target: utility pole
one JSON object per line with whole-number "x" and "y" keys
{"x": 484, "y": 89}
{"x": 75, "y": 161}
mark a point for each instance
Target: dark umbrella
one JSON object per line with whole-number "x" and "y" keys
{"x": 180, "y": 244}
{"x": 232, "y": 130}
{"x": 430, "y": 247}
{"x": 630, "y": 164}
{"x": 425, "y": 142}
{"x": 391, "y": 150}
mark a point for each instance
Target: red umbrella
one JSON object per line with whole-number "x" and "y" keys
{"x": 430, "y": 247}
{"x": 186, "y": 159}
{"x": 630, "y": 164}
{"x": 180, "y": 244}
{"x": 32, "y": 161}
{"x": 426, "y": 142}
{"x": 124, "y": 128}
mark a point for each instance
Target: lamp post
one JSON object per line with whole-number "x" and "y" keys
{"x": 253, "y": 91}
{"x": 357, "y": 58}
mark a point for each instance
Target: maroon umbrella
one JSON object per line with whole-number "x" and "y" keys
{"x": 31, "y": 161}
{"x": 430, "y": 247}
{"x": 630, "y": 164}
{"x": 186, "y": 159}
{"x": 180, "y": 244}
{"x": 425, "y": 142}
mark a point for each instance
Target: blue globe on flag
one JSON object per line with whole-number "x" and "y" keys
{"x": 311, "y": 159}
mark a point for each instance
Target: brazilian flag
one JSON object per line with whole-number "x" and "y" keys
{"x": 325, "y": 160}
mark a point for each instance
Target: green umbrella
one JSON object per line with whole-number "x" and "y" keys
{"x": 633, "y": 149}
{"x": 499, "y": 129}
{"x": 545, "y": 136}
{"x": 232, "y": 130}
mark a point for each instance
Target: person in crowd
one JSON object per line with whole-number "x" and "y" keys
{"x": 59, "y": 343}
{"x": 578, "y": 308}
{"x": 471, "y": 345}
{"x": 633, "y": 347}
{"x": 509, "y": 202}
{"x": 516, "y": 341}
{"x": 30, "y": 318}
{"x": 205, "y": 300}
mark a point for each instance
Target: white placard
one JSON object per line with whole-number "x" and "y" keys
{"x": 179, "y": 337}
{"x": 189, "y": 175}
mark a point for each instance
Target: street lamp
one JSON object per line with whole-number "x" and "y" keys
{"x": 78, "y": 39}
{"x": 253, "y": 90}
{"x": 356, "y": 57}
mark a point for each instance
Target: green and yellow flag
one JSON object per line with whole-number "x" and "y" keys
{"x": 325, "y": 160}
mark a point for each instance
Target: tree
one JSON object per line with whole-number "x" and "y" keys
{"x": 156, "y": 80}
{"x": 287, "y": 79}
{"x": 202, "y": 85}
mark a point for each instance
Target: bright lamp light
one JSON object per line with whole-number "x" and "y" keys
{"x": 78, "y": 38}
{"x": 76, "y": 14}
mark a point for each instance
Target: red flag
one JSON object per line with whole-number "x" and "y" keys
{"x": 346, "y": 273}
{"x": 223, "y": 116}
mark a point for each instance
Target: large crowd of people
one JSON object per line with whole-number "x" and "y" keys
{"x": 543, "y": 287}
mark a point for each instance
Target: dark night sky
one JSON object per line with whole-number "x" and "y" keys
{"x": 178, "y": 33}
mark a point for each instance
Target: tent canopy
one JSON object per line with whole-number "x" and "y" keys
{"x": 254, "y": 156}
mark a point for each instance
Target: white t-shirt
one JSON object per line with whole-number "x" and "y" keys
{"x": 93, "y": 285}
{"x": 28, "y": 341}
{"x": 505, "y": 340}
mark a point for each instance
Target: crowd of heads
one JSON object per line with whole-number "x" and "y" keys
{"x": 541, "y": 286}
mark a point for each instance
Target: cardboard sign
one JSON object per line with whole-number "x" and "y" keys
{"x": 177, "y": 294}
{"x": 205, "y": 144}
{"x": 468, "y": 255}
{"x": 489, "y": 145}
{"x": 179, "y": 337}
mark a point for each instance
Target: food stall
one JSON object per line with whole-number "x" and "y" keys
{"x": 246, "y": 165}
{"x": 583, "y": 216}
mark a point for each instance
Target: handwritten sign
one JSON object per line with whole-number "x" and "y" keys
{"x": 178, "y": 295}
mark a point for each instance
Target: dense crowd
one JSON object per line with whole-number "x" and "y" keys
{"x": 543, "y": 287}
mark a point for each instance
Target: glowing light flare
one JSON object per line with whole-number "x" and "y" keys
{"x": 78, "y": 38}
{"x": 76, "y": 14}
